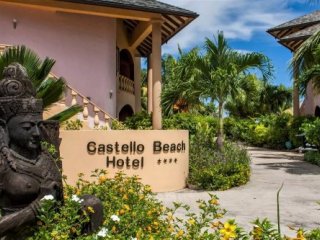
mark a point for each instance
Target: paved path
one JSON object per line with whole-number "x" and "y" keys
{"x": 298, "y": 198}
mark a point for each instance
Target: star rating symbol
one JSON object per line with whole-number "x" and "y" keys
{"x": 165, "y": 161}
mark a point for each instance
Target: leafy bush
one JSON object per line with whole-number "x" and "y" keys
{"x": 131, "y": 211}
{"x": 312, "y": 157}
{"x": 271, "y": 130}
{"x": 259, "y": 134}
{"x": 189, "y": 121}
{"x": 312, "y": 132}
{"x": 278, "y": 130}
{"x": 117, "y": 125}
{"x": 73, "y": 125}
{"x": 295, "y": 129}
{"x": 314, "y": 234}
{"x": 211, "y": 169}
{"x": 238, "y": 129}
{"x": 186, "y": 121}
{"x": 140, "y": 120}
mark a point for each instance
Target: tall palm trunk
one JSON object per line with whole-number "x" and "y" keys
{"x": 219, "y": 141}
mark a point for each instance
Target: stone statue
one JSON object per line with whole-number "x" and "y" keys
{"x": 27, "y": 172}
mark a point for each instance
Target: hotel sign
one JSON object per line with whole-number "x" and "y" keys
{"x": 159, "y": 157}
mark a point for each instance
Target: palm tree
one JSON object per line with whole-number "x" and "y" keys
{"x": 49, "y": 89}
{"x": 220, "y": 72}
{"x": 306, "y": 63}
{"x": 246, "y": 103}
{"x": 179, "y": 92}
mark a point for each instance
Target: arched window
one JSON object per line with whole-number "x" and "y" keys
{"x": 126, "y": 64}
{"x": 125, "y": 112}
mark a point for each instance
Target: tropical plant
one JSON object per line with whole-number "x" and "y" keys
{"x": 312, "y": 132}
{"x": 180, "y": 93}
{"x": 49, "y": 89}
{"x": 306, "y": 63}
{"x": 220, "y": 71}
{"x": 246, "y": 103}
{"x": 274, "y": 99}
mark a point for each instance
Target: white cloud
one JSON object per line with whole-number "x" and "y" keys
{"x": 244, "y": 51}
{"x": 238, "y": 19}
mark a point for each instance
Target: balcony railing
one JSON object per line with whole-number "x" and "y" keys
{"x": 90, "y": 109}
{"x": 126, "y": 84}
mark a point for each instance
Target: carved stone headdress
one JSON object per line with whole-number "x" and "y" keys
{"x": 17, "y": 95}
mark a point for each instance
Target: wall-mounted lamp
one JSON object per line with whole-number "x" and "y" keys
{"x": 110, "y": 93}
{"x": 14, "y": 23}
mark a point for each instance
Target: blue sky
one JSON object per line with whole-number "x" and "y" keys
{"x": 244, "y": 23}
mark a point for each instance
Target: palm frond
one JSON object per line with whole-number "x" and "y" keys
{"x": 304, "y": 56}
{"x": 51, "y": 91}
{"x": 66, "y": 114}
{"x": 42, "y": 72}
{"x": 255, "y": 60}
{"x": 312, "y": 74}
{"x": 20, "y": 54}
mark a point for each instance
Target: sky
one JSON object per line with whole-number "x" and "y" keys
{"x": 244, "y": 24}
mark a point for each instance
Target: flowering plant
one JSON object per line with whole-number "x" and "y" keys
{"x": 131, "y": 211}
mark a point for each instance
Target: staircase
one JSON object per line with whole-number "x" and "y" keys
{"x": 92, "y": 116}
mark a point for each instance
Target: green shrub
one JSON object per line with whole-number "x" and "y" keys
{"x": 73, "y": 125}
{"x": 140, "y": 120}
{"x": 214, "y": 170}
{"x": 190, "y": 121}
{"x": 314, "y": 234}
{"x": 312, "y": 157}
{"x": 271, "y": 130}
{"x": 259, "y": 135}
{"x": 117, "y": 125}
{"x": 295, "y": 129}
{"x": 312, "y": 132}
{"x": 278, "y": 130}
{"x": 238, "y": 129}
{"x": 131, "y": 211}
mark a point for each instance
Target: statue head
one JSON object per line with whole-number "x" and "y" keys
{"x": 20, "y": 111}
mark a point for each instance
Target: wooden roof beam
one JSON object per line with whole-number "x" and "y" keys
{"x": 142, "y": 30}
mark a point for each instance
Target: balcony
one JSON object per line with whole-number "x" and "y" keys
{"x": 126, "y": 84}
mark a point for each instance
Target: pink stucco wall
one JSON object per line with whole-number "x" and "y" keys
{"x": 83, "y": 46}
{"x": 311, "y": 101}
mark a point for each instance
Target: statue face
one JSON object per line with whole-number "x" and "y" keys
{"x": 24, "y": 132}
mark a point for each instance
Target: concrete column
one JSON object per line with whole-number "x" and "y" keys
{"x": 149, "y": 74}
{"x": 137, "y": 83}
{"x": 156, "y": 74}
{"x": 295, "y": 94}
